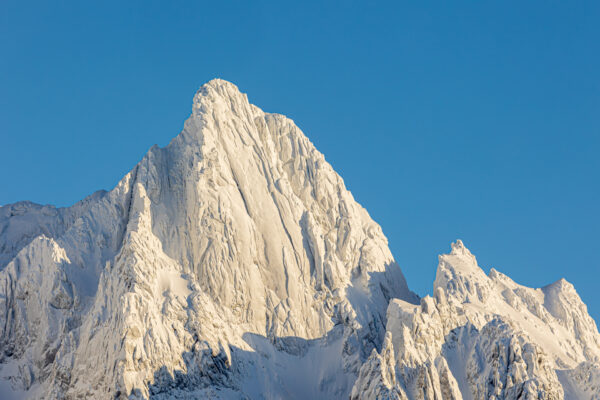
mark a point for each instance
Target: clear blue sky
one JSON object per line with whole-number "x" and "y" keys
{"x": 476, "y": 120}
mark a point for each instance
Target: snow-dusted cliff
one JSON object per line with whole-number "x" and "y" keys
{"x": 233, "y": 263}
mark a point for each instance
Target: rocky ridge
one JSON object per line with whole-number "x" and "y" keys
{"x": 486, "y": 337}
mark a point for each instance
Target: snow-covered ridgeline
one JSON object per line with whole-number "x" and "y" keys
{"x": 484, "y": 336}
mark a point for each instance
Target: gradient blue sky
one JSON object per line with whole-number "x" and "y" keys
{"x": 471, "y": 120}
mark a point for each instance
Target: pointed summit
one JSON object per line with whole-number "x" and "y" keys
{"x": 460, "y": 258}
{"x": 217, "y": 88}
{"x": 218, "y": 96}
{"x": 459, "y": 249}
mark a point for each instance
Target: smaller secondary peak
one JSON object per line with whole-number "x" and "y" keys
{"x": 561, "y": 285}
{"x": 459, "y": 258}
{"x": 458, "y": 248}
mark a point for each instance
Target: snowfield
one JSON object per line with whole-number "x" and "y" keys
{"x": 233, "y": 263}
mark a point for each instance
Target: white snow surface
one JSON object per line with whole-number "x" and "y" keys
{"x": 234, "y": 264}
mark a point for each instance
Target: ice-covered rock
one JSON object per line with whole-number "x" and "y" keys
{"x": 377, "y": 378}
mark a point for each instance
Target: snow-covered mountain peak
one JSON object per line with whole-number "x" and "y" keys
{"x": 237, "y": 245}
{"x": 234, "y": 263}
{"x": 483, "y": 337}
{"x": 460, "y": 250}
{"x": 561, "y": 285}
{"x": 221, "y": 85}
{"x": 459, "y": 274}
{"x": 219, "y": 96}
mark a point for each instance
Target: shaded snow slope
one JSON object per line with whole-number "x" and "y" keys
{"x": 235, "y": 249}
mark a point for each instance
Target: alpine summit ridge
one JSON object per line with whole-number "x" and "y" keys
{"x": 234, "y": 264}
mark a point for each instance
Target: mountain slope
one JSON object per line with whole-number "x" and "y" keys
{"x": 486, "y": 337}
{"x": 235, "y": 246}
